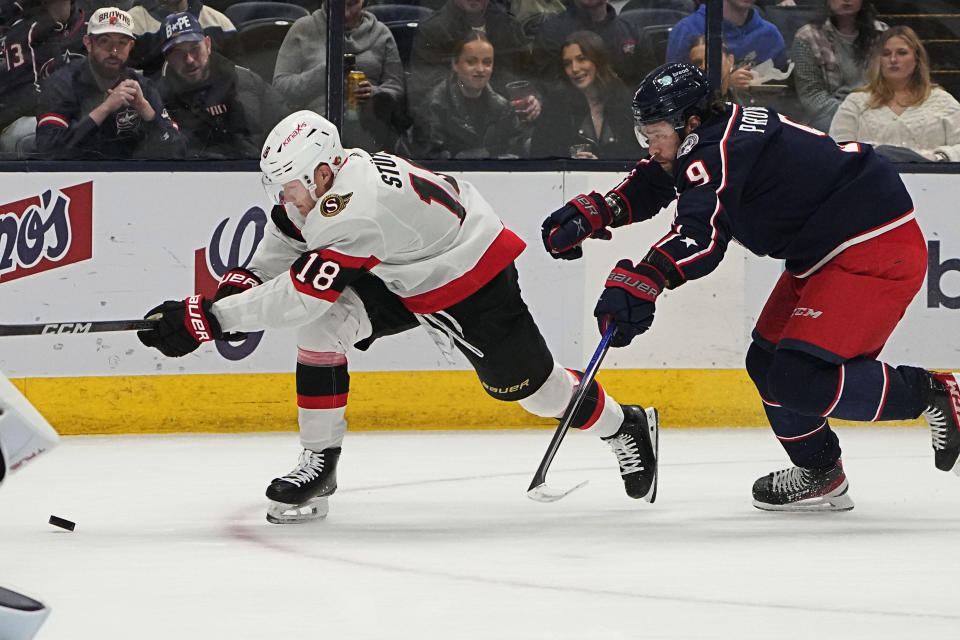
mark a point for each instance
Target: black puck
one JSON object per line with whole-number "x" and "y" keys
{"x": 62, "y": 523}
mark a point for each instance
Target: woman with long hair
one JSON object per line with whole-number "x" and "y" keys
{"x": 463, "y": 117}
{"x": 900, "y": 106}
{"x": 589, "y": 116}
{"x": 831, "y": 54}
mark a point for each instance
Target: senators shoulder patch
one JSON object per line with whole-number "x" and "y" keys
{"x": 688, "y": 144}
{"x": 334, "y": 203}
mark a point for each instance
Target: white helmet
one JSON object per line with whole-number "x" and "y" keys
{"x": 297, "y": 145}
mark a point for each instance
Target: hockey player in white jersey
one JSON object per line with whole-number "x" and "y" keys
{"x": 366, "y": 246}
{"x": 24, "y": 435}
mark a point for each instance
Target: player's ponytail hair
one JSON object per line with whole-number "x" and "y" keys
{"x": 881, "y": 93}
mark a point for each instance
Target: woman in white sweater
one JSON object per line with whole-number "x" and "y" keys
{"x": 899, "y": 106}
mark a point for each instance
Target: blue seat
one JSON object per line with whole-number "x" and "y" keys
{"x": 402, "y": 20}
{"x": 260, "y": 42}
{"x": 394, "y": 14}
{"x": 789, "y": 19}
{"x": 241, "y": 13}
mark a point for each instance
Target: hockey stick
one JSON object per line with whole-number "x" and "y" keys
{"x": 95, "y": 326}
{"x": 538, "y": 489}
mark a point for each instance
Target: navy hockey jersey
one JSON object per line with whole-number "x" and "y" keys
{"x": 778, "y": 188}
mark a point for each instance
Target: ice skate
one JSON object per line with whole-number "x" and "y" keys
{"x": 302, "y": 495}
{"x": 799, "y": 489}
{"x": 636, "y": 446}
{"x": 943, "y": 416}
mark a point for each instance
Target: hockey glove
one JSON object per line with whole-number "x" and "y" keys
{"x": 183, "y": 326}
{"x": 234, "y": 281}
{"x": 628, "y": 300}
{"x": 586, "y": 216}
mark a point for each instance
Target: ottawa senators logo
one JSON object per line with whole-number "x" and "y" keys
{"x": 333, "y": 204}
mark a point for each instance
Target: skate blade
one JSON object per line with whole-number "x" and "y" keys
{"x": 543, "y": 493}
{"x": 653, "y": 423}
{"x": 282, "y": 513}
{"x": 841, "y": 502}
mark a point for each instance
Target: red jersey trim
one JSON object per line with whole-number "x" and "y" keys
{"x": 502, "y": 251}
{"x": 54, "y": 119}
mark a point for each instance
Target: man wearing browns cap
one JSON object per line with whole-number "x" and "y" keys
{"x": 224, "y": 111}
{"x": 98, "y": 108}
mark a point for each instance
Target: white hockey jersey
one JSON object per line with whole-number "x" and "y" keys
{"x": 431, "y": 239}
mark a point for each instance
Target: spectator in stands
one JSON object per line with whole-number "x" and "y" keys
{"x": 463, "y": 117}
{"x": 301, "y": 70}
{"x": 35, "y": 46}
{"x": 735, "y": 81}
{"x": 438, "y": 37}
{"x": 831, "y": 54}
{"x": 99, "y": 108}
{"x": 631, "y": 54}
{"x": 148, "y": 17}
{"x": 590, "y": 116}
{"x": 223, "y": 111}
{"x": 751, "y": 38}
{"x": 899, "y": 106}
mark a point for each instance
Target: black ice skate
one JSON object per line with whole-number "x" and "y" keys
{"x": 799, "y": 489}
{"x": 636, "y": 445}
{"x": 302, "y": 495}
{"x": 943, "y": 415}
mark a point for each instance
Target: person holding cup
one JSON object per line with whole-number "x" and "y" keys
{"x": 588, "y": 116}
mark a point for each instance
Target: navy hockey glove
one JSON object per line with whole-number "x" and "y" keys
{"x": 183, "y": 326}
{"x": 586, "y": 216}
{"x": 628, "y": 300}
{"x": 234, "y": 281}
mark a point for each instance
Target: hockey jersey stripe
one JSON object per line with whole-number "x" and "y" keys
{"x": 502, "y": 251}
{"x": 320, "y": 358}
{"x": 322, "y": 402}
{"x": 863, "y": 237}
{"x": 54, "y": 119}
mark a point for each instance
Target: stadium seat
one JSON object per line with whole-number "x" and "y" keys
{"x": 642, "y": 18}
{"x": 685, "y": 6}
{"x": 242, "y": 13}
{"x": 402, "y": 20}
{"x": 260, "y": 41}
{"x": 390, "y": 14}
{"x": 658, "y": 35}
{"x": 789, "y": 19}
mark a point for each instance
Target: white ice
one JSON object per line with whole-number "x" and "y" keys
{"x": 430, "y": 536}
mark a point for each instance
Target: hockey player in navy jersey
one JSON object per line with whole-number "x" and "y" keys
{"x": 366, "y": 246}
{"x": 843, "y": 222}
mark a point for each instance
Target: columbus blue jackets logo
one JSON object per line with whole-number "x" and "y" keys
{"x": 333, "y": 204}
{"x": 688, "y": 144}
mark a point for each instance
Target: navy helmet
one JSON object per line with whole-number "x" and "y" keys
{"x": 672, "y": 92}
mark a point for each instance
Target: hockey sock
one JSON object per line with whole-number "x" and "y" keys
{"x": 322, "y": 388}
{"x": 599, "y": 413}
{"x": 808, "y": 440}
{"x": 859, "y": 389}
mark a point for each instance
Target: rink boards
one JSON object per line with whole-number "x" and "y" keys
{"x": 81, "y": 246}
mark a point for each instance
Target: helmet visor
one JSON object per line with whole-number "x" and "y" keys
{"x": 274, "y": 191}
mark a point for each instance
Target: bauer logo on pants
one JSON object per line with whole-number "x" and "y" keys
{"x": 46, "y": 231}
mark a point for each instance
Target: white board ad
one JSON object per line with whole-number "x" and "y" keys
{"x": 81, "y": 247}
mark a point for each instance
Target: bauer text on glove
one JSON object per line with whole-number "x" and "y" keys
{"x": 628, "y": 300}
{"x": 182, "y": 326}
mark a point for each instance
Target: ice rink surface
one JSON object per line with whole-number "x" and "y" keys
{"x": 430, "y": 536}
